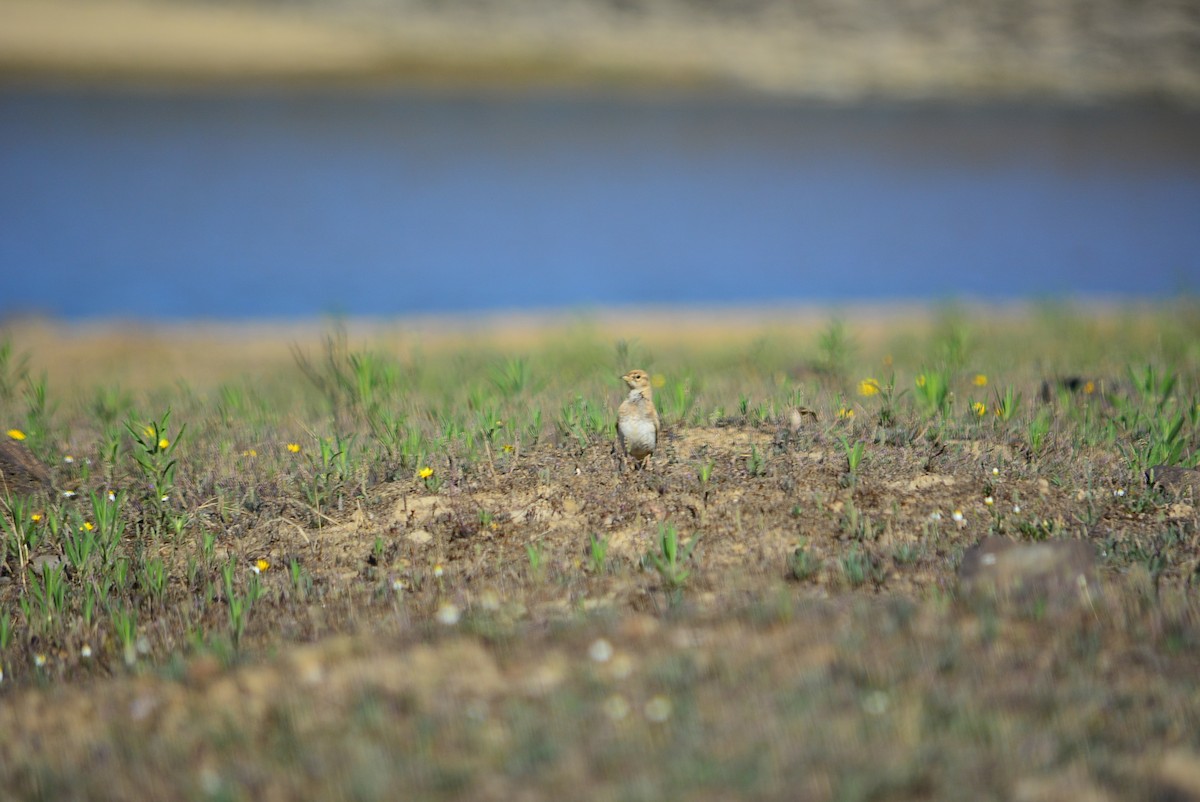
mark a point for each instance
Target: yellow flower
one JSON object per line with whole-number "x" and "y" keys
{"x": 16, "y": 434}
{"x": 261, "y": 564}
{"x": 980, "y": 408}
{"x": 921, "y": 380}
{"x": 148, "y": 431}
{"x": 887, "y": 361}
{"x": 163, "y": 443}
{"x": 659, "y": 381}
{"x": 37, "y": 516}
{"x": 980, "y": 380}
{"x": 249, "y": 452}
{"x": 1089, "y": 388}
{"x": 293, "y": 447}
{"x": 868, "y": 387}
{"x": 87, "y": 526}
{"x": 508, "y": 448}
{"x": 425, "y": 472}
{"x": 845, "y": 413}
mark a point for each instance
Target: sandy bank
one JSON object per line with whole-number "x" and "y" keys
{"x": 1076, "y": 50}
{"x": 136, "y": 354}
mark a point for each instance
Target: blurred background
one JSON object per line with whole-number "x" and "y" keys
{"x": 195, "y": 159}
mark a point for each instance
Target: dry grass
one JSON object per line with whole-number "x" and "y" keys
{"x": 458, "y": 635}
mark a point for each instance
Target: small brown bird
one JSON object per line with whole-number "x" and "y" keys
{"x": 637, "y": 420}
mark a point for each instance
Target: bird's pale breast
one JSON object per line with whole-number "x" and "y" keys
{"x": 639, "y": 435}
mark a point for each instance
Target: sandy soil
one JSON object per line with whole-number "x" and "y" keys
{"x": 1085, "y": 50}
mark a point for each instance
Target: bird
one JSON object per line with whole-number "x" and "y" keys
{"x": 637, "y": 420}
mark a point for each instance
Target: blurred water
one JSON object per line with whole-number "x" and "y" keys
{"x": 285, "y": 204}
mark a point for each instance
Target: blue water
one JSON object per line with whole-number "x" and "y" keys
{"x": 293, "y": 204}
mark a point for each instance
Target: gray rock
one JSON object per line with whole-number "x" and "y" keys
{"x": 20, "y": 472}
{"x": 1175, "y": 480}
{"x": 42, "y": 562}
{"x": 1054, "y": 570}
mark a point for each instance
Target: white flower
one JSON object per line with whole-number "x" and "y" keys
{"x": 39, "y": 660}
{"x": 448, "y": 614}
{"x": 616, "y": 707}
{"x": 85, "y": 652}
{"x": 68, "y": 458}
{"x": 397, "y": 584}
{"x": 658, "y": 709}
{"x": 989, "y": 501}
{"x": 1119, "y": 492}
{"x": 935, "y": 516}
{"x": 69, "y": 494}
{"x": 1017, "y": 508}
{"x": 957, "y": 515}
{"x": 995, "y": 471}
{"x": 601, "y": 651}
{"x": 875, "y": 703}
{"x": 622, "y": 666}
{"x": 112, "y": 496}
{"x": 438, "y": 570}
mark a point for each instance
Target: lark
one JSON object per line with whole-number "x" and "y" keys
{"x": 637, "y": 420}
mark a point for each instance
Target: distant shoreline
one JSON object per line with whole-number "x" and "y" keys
{"x": 83, "y": 352}
{"x": 860, "y": 54}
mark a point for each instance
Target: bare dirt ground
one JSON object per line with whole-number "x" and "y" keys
{"x": 455, "y": 636}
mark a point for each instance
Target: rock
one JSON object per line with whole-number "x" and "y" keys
{"x": 1174, "y": 479}
{"x": 20, "y": 472}
{"x": 1176, "y": 511}
{"x": 1055, "y": 570}
{"x": 922, "y": 483}
{"x": 42, "y": 562}
{"x": 1179, "y": 772}
{"x": 203, "y": 670}
{"x": 1069, "y": 786}
{"x": 419, "y": 537}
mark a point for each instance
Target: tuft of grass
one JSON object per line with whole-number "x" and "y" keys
{"x": 598, "y": 554}
{"x": 670, "y": 558}
{"x": 801, "y": 563}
